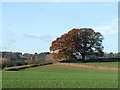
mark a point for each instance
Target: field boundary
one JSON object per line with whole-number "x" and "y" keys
{"x": 87, "y": 66}
{"x": 17, "y": 68}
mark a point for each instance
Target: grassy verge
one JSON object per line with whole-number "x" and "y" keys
{"x": 104, "y": 64}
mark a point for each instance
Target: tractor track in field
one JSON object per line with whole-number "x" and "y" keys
{"x": 87, "y": 66}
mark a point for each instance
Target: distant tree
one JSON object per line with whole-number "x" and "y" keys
{"x": 84, "y": 41}
{"x": 111, "y": 55}
{"x": 118, "y": 54}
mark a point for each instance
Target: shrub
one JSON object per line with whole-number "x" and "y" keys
{"x": 34, "y": 62}
{"x": 13, "y": 63}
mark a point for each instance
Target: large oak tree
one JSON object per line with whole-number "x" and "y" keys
{"x": 84, "y": 41}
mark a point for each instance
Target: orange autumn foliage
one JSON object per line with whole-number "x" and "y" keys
{"x": 85, "y": 41}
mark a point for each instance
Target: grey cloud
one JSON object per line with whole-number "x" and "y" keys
{"x": 45, "y": 37}
{"x": 11, "y": 40}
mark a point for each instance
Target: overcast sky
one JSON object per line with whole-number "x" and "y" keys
{"x": 31, "y": 27}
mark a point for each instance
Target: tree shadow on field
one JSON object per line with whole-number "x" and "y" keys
{"x": 91, "y": 60}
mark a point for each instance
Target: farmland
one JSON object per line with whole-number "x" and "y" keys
{"x": 101, "y": 64}
{"x": 60, "y": 76}
{"x": 108, "y": 64}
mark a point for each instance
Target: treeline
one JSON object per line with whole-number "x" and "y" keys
{"x": 111, "y": 55}
{"x": 106, "y": 55}
{"x": 10, "y": 59}
{"x": 16, "y": 56}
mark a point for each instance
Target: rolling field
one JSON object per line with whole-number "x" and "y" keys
{"x": 56, "y": 76}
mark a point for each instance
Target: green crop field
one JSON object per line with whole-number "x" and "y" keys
{"x": 53, "y": 76}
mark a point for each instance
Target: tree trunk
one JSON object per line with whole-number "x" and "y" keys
{"x": 83, "y": 57}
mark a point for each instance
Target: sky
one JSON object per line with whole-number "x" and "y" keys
{"x": 30, "y": 27}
